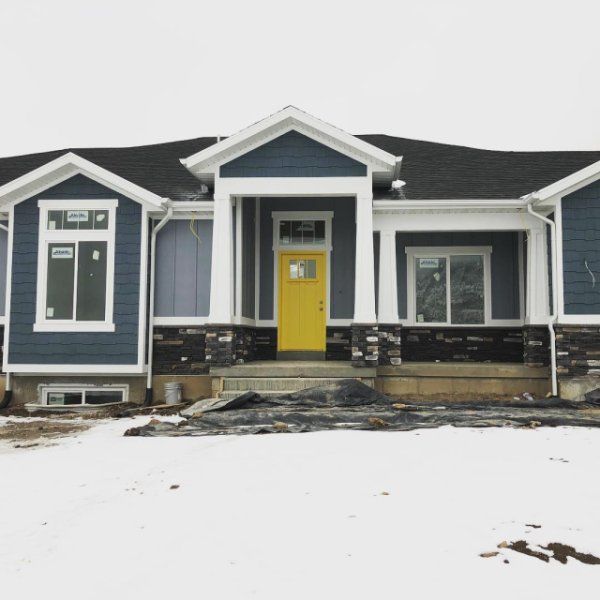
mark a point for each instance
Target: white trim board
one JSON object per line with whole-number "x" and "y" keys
{"x": 287, "y": 119}
{"x": 65, "y": 167}
{"x": 47, "y": 236}
{"x": 277, "y": 217}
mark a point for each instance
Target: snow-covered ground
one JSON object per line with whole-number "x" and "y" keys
{"x": 299, "y": 515}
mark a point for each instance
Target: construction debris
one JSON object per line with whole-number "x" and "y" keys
{"x": 350, "y": 404}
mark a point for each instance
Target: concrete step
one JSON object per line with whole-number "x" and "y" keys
{"x": 231, "y": 394}
{"x": 274, "y": 384}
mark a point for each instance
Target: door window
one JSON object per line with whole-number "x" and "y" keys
{"x": 303, "y": 268}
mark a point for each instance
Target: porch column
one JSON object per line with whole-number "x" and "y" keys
{"x": 538, "y": 308}
{"x": 221, "y": 284}
{"x": 364, "y": 276}
{"x": 388, "y": 293}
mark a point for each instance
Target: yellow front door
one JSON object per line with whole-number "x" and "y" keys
{"x": 302, "y": 306}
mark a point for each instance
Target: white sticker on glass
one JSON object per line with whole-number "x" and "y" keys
{"x": 76, "y": 216}
{"x": 62, "y": 252}
{"x": 100, "y": 217}
{"x": 429, "y": 263}
{"x": 50, "y": 312}
{"x": 96, "y": 255}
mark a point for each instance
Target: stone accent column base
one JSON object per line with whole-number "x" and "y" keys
{"x": 578, "y": 351}
{"x": 227, "y": 345}
{"x": 390, "y": 341}
{"x": 536, "y": 346}
{"x": 365, "y": 345}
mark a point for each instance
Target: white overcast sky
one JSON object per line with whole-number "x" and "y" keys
{"x": 489, "y": 73}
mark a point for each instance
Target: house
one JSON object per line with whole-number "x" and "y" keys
{"x": 292, "y": 239}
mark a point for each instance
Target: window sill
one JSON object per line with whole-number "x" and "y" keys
{"x": 75, "y": 327}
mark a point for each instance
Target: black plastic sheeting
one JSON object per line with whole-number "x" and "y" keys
{"x": 350, "y": 404}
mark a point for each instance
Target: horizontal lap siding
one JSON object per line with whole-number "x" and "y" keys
{"x": 504, "y": 263}
{"x": 581, "y": 245}
{"x": 293, "y": 155}
{"x": 183, "y": 266}
{"x": 110, "y": 348}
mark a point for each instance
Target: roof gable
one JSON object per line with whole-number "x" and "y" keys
{"x": 293, "y": 155}
{"x": 66, "y": 166}
{"x": 206, "y": 163}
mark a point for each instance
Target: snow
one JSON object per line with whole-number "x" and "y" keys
{"x": 299, "y": 515}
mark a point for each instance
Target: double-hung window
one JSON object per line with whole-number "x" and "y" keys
{"x": 451, "y": 286}
{"x": 76, "y": 258}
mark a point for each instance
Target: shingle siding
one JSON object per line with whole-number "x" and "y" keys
{"x": 581, "y": 244}
{"x": 293, "y": 155}
{"x": 103, "y": 348}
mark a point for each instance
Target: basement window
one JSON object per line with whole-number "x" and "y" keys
{"x": 76, "y": 395}
{"x": 76, "y": 265}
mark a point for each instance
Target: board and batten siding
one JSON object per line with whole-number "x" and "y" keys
{"x": 341, "y": 293}
{"x": 504, "y": 265}
{"x": 581, "y": 251}
{"x": 75, "y": 348}
{"x": 248, "y": 257}
{"x": 293, "y": 155}
{"x": 183, "y": 266}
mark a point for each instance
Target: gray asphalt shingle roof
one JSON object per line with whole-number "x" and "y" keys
{"x": 430, "y": 170}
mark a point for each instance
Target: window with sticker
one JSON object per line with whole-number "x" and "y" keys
{"x": 76, "y": 266}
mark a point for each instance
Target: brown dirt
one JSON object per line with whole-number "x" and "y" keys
{"x": 28, "y": 434}
{"x": 560, "y": 552}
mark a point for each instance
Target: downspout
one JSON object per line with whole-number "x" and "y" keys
{"x": 155, "y": 230}
{"x": 553, "y": 317}
{"x": 7, "y": 398}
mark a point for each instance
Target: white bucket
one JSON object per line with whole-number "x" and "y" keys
{"x": 173, "y": 392}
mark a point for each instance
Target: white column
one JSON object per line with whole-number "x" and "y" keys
{"x": 221, "y": 284}
{"x": 388, "y": 292}
{"x": 364, "y": 276}
{"x": 537, "y": 277}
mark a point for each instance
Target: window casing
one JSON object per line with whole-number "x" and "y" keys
{"x": 82, "y": 395}
{"x": 76, "y": 258}
{"x": 449, "y": 286}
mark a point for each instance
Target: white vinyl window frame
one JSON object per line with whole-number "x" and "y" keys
{"x": 73, "y": 236}
{"x": 44, "y": 390}
{"x": 446, "y": 252}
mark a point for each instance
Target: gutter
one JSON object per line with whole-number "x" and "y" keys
{"x": 155, "y": 230}
{"x": 530, "y": 199}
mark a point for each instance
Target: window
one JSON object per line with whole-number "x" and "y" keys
{"x": 74, "y": 395}
{"x": 450, "y": 287}
{"x": 302, "y": 233}
{"x": 76, "y": 265}
{"x": 303, "y": 268}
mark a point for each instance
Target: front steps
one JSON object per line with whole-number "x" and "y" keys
{"x": 281, "y": 377}
{"x": 270, "y": 386}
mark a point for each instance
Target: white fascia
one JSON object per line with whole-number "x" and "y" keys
{"x": 66, "y": 166}
{"x": 569, "y": 184}
{"x": 466, "y": 204}
{"x": 209, "y": 159}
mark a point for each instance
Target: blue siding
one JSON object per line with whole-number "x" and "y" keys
{"x": 342, "y": 255}
{"x": 183, "y": 266}
{"x": 581, "y": 244}
{"x": 504, "y": 259}
{"x": 120, "y": 347}
{"x": 248, "y": 258}
{"x": 3, "y": 264}
{"x": 293, "y": 155}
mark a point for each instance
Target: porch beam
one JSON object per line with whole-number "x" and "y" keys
{"x": 364, "y": 275}
{"x": 221, "y": 288}
{"x": 388, "y": 293}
